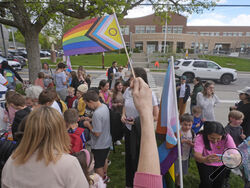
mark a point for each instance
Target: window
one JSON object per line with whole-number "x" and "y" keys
{"x": 240, "y": 34}
{"x": 179, "y": 29}
{"x": 125, "y": 29}
{"x": 139, "y": 29}
{"x": 224, "y": 34}
{"x": 192, "y": 33}
{"x": 186, "y": 63}
{"x": 211, "y": 33}
{"x": 177, "y": 62}
{"x": 211, "y": 65}
{"x": 217, "y": 33}
{"x": 169, "y": 29}
{"x": 175, "y": 29}
{"x": 192, "y": 45}
{"x": 247, "y": 34}
{"x": 200, "y": 64}
{"x": 150, "y": 29}
{"x": 139, "y": 46}
{"x": 229, "y": 34}
{"x": 204, "y": 33}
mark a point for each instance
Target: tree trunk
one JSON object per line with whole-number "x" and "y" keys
{"x": 33, "y": 53}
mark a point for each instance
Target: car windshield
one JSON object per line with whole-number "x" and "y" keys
{"x": 177, "y": 62}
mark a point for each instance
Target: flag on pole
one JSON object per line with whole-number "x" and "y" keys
{"x": 69, "y": 64}
{"x": 167, "y": 124}
{"x": 92, "y": 36}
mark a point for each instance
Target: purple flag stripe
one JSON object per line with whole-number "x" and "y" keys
{"x": 170, "y": 159}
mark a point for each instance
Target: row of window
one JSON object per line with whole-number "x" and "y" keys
{"x": 151, "y": 29}
{"x": 176, "y": 29}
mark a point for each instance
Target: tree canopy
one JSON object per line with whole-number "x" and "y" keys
{"x": 30, "y": 16}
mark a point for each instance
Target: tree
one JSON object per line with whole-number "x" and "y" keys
{"x": 30, "y": 17}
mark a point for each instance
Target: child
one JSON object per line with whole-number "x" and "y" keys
{"x": 79, "y": 104}
{"x": 76, "y": 133}
{"x": 9, "y": 112}
{"x": 17, "y": 101}
{"x": 86, "y": 161}
{"x": 71, "y": 97}
{"x": 233, "y": 128}
{"x": 39, "y": 80}
{"x": 187, "y": 137}
{"x": 198, "y": 122}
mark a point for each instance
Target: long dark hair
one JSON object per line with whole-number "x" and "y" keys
{"x": 115, "y": 91}
{"x": 140, "y": 72}
{"x": 199, "y": 81}
{"x": 102, "y": 83}
{"x": 211, "y": 127}
{"x": 81, "y": 156}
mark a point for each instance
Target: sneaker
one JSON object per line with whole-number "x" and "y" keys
{"x": 118, "y": 143}
{"x": 106, "y": 179}
{"x": 109, "y": 162}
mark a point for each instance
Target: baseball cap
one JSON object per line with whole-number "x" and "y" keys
{"x": 83, "y": 88}
{"x": 183, "y": 77}
{"x": 246, "y": 90}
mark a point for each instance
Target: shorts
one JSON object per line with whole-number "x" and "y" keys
{"x": 100, "y": 155}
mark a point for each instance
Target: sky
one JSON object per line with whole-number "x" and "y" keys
{"x": 220, "y": 16}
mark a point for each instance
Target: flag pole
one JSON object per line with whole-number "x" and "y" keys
{"x": 123, "y": 42}
{"x": 178, "y": 126}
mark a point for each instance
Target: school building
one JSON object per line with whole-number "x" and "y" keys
{"x": 147, "y": 35}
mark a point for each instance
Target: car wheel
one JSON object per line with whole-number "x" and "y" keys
{"x": 226, "y": 79}
{"x": 189, "y": 76}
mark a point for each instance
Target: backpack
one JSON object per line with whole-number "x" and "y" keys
{"x": 77, "y": 142}
{"x": 116, "y": 126}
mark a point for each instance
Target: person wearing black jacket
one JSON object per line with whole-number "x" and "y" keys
{"x": 245, "y": 109}
{"x": 5, "y": 69}
{"x": 111, "y": 73}
{"x": 183, "y": 93}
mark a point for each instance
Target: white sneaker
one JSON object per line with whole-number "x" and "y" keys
{"x": 118, "y": 143}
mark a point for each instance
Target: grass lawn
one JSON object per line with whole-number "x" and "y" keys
{"x": 94, "y": 60}
{"x": 116, "y": 171}
{"x": 230, "y": 62}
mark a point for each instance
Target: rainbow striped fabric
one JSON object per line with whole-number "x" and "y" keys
{"x": 94, "y": 35}
{"x": 167, "y": 125}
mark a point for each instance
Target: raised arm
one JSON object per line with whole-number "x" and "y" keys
{"x": 149, "y": 165}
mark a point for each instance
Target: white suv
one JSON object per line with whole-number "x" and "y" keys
{"x": 205, "y": 69}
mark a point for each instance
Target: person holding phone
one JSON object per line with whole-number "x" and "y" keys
{"x": 209, "y": 145}
{"x": 207, "y": 101}
{"x": 130, "y": 117}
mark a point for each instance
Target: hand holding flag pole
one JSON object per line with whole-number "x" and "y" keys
{"x": 123, "y": 42}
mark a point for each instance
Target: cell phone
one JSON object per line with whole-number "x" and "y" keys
{"x": 130, "y": 119}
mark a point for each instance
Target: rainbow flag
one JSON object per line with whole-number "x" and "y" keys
{"x": 167, "y": 125}
{"x": 95, "y": 35}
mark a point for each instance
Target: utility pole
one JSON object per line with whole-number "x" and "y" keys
{"x": 4, "y": 47}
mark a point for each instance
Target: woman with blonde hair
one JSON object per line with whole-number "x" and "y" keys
{"x": 42, "y": 159}
{"x": 207, "y": 101}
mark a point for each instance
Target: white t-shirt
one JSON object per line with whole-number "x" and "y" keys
{"x": 129, "y": 105}
{"x": 3, "y": 82}
{"x": 66, "y": 172}
{"x": 182, "y": 90}
{"x": 57, "y": 107}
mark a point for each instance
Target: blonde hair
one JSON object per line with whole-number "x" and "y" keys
{"x": 235, "y": 114}
{"x": 45, "y": 133}
{"x": 71, "y": 89}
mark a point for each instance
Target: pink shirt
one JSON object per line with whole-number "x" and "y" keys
{"x": 217, "y": 148}
{"x": 146, "y": 180}
{"x": 39, "y": 82}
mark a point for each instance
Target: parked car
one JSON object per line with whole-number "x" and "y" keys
{"x": 44, "y": 53}
{"x": 205, "y": 69}
{"x": 23, "y": 53}
{"x": 14, "y": 64}
{"x": 18, "y": 58}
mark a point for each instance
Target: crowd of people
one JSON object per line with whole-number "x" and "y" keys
{"x": 61, "y": 132}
